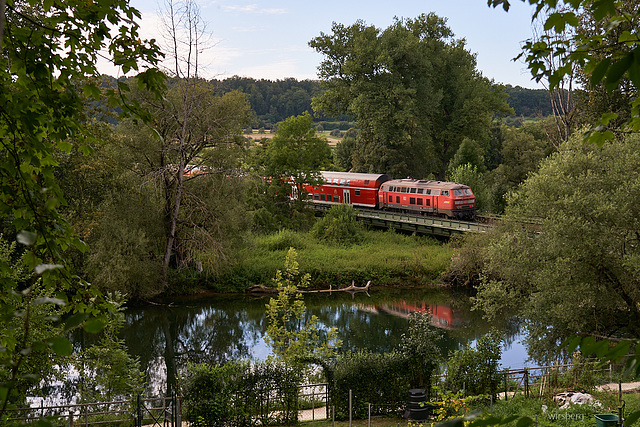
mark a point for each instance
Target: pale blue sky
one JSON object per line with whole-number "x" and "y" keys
{"x": 269, "y": 39}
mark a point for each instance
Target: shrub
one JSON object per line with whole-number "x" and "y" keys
{"x": 339, "y": 225}
{"x": 379, "y": 379}
{"x": 475, "y": 369}
{"x": 241, "y": 394}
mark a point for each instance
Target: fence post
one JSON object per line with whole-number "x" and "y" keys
{"x": 350, "y": 414}
{"x": 506, "y": 384}
{"x": 70, "y": 418}
{"x": 526, "y": 382}
{"x": 313, "y": 406}
{"x": 369, "y": 414}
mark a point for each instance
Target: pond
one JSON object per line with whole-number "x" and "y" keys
{"x": 220, "y": 328}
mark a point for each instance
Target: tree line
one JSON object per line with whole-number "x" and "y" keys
{"x": 274, "y": 101}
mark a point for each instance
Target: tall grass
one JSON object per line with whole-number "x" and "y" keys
{"x": 385, "y": 258}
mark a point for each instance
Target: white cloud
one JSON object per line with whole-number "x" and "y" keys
{"x": 253, "y": 9}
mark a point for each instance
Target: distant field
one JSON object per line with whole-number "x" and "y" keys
{"x": 256, "y": 136}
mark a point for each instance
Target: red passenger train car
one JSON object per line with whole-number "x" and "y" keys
{"x": 379, "y": 191}
{"x": 357, "y": 189}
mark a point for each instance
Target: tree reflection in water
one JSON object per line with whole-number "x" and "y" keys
{"x": 222, "y": 328}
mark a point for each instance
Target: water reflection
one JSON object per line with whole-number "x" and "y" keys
{"x": 222, "y": 328}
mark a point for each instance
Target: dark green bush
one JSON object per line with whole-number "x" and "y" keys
{"x": 241, "y": 394}
{"x": 339, "y": 225}
{"x": 476, "y": 369}
{"x": 379, "y": 379}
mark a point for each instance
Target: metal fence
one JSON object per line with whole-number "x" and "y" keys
{"x": 165, "y": 412}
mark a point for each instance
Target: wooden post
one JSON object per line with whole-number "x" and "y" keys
{"x": 506, "y": 384}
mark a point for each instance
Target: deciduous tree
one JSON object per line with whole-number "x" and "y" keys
{"x": 576, "y": 269}
{"x": 414, "y": 90}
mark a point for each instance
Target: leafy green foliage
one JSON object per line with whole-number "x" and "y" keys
{"x": 411, "y": 116}
{"x": 607, "y": 56}
{"x": 576, "y": 268}
{"x": 293, "y": 335}
{"x": 295, "y": 155}
{"x": 476, "y": 370}
{"x": 379, "y": 379}
{"x": 48, "y": 59}
{"x": 421, "y": 344}
{"x": 106, "y": 371}
{"x": 339, "y": 225}
{"x": 241, "y": 394}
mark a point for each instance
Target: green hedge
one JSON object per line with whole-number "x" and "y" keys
{"x": 241, "y": 394}
{"x": 381, "y": 379}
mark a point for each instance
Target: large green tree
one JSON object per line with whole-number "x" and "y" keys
{"x": 49, "y": 53}
{"x": 575, "y": 269}
{"x": 296, "y": 154}
{"x": 194, "y": 143}
{"x": 414, "y": 90}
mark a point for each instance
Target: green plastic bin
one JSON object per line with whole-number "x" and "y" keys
{"x": 606, "y": 420}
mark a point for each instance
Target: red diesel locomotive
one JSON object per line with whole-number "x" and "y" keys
{"x": 379, "y": 191}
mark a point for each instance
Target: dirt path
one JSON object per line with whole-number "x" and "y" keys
{"x": 614, "y": 387}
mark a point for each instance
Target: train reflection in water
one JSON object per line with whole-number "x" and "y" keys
{"x": 442, "y": 315}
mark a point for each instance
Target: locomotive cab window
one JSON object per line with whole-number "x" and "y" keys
{"x": 458, "y": 193}
{"x": 316, "y": 197}
{"x": 445, "y": 193}
{"x": 413, "y": 191}
{"x": 342, "y": 182}
{"x": 322, "y": 197}
{"x": 336, "y": 199}
{"x": 412, "y": 200}
{"x": 419, "y": 201}
{"x": 467, "y": 192}
{"x": 357, "y": 191}
{"x": 348, "y": 182}
{"x": 420, "y": 190}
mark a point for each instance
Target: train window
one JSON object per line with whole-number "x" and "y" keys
{"x": 458, "y": 193}
{"x": 397, "y": 199}
{"x": 467, "y": 192}
{"x": 413, "y": 191}
{"x": 390, "y": 199}
{"x": 445, "y": 193}
{"x": 420, "y": 190}
{"x": 428, "y": 191}
{"x": 336, "y": 198}
{"x": 366, "y": 182}
{"x": 309, "y": 196}
{"x": 435, "y": 192}
{"x": 357, "y": 191}
{"x": 322, "y": 197}
{"x": 403, "y": 189}
{"x": 427, "y": 202}
{"x": 348, "y": 182}
{"x": 316, "y": 197}
{"x": 420, "y": 201}
{"x": 412, "y": 200}
{"x": 342, "y": 182}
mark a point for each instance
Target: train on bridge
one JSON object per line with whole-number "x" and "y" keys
{"x": 379, "y": 191}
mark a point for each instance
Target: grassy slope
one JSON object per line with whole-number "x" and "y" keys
{"x": 385, "y": 258}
